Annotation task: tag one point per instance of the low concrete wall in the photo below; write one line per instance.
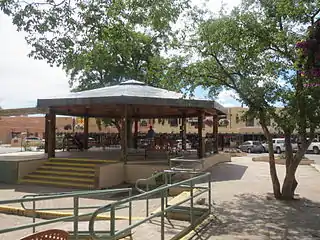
(8, 172)
(110, 175)
(133, 172)
(215, 159)
(206, 164)
(28, 166)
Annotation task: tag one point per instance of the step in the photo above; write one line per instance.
(86, 160)
(66, 173)
(70, 164)
(79, 169)
(63, 184)
(58, 178)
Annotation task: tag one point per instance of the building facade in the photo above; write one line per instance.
(234, 128)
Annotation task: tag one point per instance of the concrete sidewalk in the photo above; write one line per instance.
(240, 191)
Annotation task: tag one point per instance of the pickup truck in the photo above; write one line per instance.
(278, 145)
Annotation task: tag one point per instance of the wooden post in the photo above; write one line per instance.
(201, 140)
(215, 133)
(52, 134)
(46, 133)
(85, 132)
(136, 129)
(183, 131)
(125, 147)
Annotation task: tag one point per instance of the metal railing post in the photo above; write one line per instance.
(191, 202)
(130, 208)
(209, 193)
(162, 215)
(112, 221)
(167, 191)
(76, 216)
(33, 215)
(147, 202)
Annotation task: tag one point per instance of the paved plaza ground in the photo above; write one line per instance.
(239, 192)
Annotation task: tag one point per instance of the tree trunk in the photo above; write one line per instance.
(290, 183)
(273, 172)
(272, 163)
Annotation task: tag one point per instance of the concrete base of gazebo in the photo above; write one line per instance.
(92, 169)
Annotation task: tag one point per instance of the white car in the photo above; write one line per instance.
(33, 141)
(279, 145)
(179, 144)
(314, 146)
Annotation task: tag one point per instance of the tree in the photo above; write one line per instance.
(252, 52)
(101, 43)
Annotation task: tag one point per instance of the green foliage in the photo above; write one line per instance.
(101, 43)
(252, 52)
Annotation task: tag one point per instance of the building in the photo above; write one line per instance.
(232, 127)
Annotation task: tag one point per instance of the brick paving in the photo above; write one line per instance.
(239, 191)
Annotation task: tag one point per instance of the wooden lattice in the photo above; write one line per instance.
(53, 234)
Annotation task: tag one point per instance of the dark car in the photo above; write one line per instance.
(252, 147)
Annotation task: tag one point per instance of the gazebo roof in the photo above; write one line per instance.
(143, 101)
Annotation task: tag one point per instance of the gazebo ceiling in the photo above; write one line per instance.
(140, 100)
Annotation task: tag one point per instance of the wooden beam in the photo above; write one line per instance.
(46, 133)
(183, 131)
(85, 132)
(201, 140)
(52, 134)
(125, 147)
(215, 127)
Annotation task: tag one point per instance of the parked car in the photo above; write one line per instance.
(252, 147)
(179, 144)
(279, 145)
(91, 142)
(32, 141)
(143, 143)
(314, 146)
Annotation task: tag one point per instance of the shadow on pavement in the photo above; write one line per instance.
(256, 217)
(225, 172)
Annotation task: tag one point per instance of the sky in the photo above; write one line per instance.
(23, 80)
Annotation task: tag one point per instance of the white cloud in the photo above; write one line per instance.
(227, 99)
(22, 79)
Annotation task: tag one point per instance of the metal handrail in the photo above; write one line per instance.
(164, 208)
(147, 179)
(49, 196)
(67, 194)
(112, 207)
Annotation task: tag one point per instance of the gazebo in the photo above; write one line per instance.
(129, 100)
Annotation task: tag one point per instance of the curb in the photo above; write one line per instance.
(316, 167)
(47, 215)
